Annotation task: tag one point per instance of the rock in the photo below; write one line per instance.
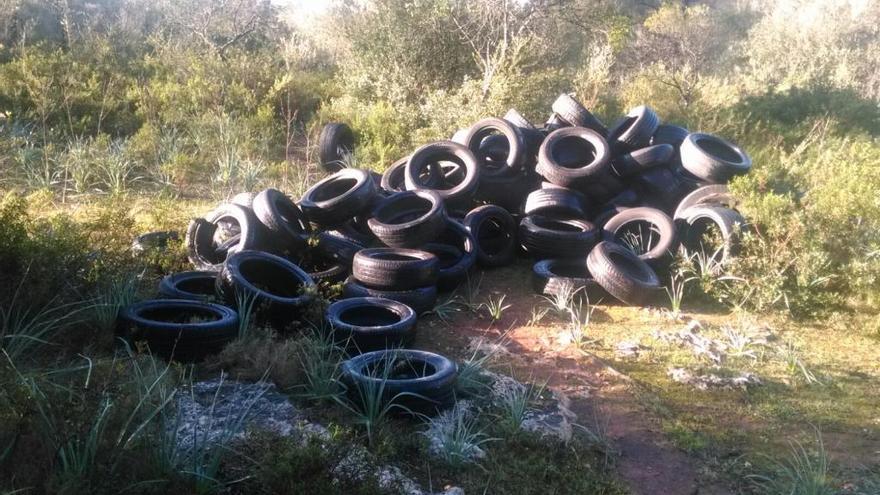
(553, 421)
(711, 380)
(700, 345)
(550, 419)
(629, 349)
(216, 412)
(359, 465)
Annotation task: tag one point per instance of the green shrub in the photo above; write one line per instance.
(816, 226)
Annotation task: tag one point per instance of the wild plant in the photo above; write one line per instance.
(803, 473)
(495, 307)
(515, 404)
(456, 437)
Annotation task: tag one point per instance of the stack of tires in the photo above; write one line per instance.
(599, 210)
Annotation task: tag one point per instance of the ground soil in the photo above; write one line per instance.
(601, 396)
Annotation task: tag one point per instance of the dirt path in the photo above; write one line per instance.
(600, 395)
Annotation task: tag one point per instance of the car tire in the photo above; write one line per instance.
(622, 274)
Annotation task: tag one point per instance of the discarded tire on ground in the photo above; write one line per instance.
(566, 278)
(275, 285)
(395, 268)
(416, 381)
(494, 232)
(193, 286)
(239, 222)
(649, 232)
(339, 197)
(408, 219)
(544, 237)
(182, 330)
(371, 323)
(698, 220)
(152, 241)
(713, 159)
(622, 274)
(282, 218)
(572, 155)
(335, 145)
(420, 299)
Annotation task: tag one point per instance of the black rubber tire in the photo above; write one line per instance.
(408, 219)
(394, 177)
(554, 122)
(432, 389)
(557, 202)
(168, 327)
(713, 159)
(245, 199)
(566, 166)
(662, 253)
(669, 134)
(506, 191)
(715, 194)
(201, 249)
(335, 247)
(622, 274)
(607, 213)
(494, 231)
(453, 270)
(339, 197)
(544, 237)
(365, 324)
(282, 218)
(279, 287)
(395, 268)
(330, 273)
(428, 156)
(514, 140)
(628, 197)
(153, 241)
(336, 140)
(729, 222)
(575, 114)
(514, 117)
(192, 286)
(421, 299)
(635, 130)
(642, 159)
(551, 276)
(662, 186)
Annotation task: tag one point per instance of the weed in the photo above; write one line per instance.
(23, 327)
(472, 380)
(579, 322)
(537, 315)
(515, 404)
(446, 309)
(371, 405)
(495, 307)
(562, 300)
(456, 437)
(321, 361)
(739, 344)
(110, 302)
(803, 473)
(202, 462)
(796, 367)
(471, 293)
(245, 302)
(677, 284)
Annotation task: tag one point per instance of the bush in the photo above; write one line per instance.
(816, 226)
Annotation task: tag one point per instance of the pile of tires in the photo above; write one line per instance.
(599, 210)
